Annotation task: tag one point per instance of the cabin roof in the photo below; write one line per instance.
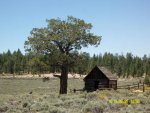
(106, 72)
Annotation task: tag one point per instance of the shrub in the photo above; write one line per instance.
(147, 93)
(147, 80)
(92, 96)
(3, 109)
(68, 103)
(54, 109)
(93, 107)
(80, 101)
(39, 106)
(59, 103)
(25, 105)
(46, 79)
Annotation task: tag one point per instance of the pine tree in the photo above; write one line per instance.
(18, 57)
(8, 62)
(147, 80)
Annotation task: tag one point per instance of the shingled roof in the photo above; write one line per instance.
(106, 72)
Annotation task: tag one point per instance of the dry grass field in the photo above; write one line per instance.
(32, 95)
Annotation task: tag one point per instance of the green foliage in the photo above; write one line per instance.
(93, 107)
(78, 67)
(125, 65)
(61, 39)
(36, 64)
(39, 106)
(92, 96)
(147, 80)
(18, 64)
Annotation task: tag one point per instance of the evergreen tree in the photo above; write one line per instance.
(18, 57)
(147, 80)
(121, 65)
(8, 62)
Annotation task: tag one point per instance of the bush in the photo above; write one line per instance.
(93, 107)
(58, 103)
(25, 105)
(54, 109)
(147, 80)
(46, 79)
(39, 106)
(92, 96)
(3, 109)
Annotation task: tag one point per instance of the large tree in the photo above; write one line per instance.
(61, 40)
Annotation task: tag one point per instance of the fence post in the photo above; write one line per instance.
(143, 87)
(138, 85)
(74, 90)
(128, 87)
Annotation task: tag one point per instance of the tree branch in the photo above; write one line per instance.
(58, 76)
(59, 45)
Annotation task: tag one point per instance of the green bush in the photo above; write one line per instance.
(92, 96)
(147, 80)
(39, 106)
(58, 103)
(93, 107)
(54, 109)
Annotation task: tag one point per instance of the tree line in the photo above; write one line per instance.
(122, 65)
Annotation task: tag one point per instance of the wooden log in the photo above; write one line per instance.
(105, 88)
(58, 76)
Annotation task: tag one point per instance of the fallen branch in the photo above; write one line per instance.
(56, 75)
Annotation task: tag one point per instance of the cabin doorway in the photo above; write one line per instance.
(96, 83)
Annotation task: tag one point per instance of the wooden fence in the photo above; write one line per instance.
(138, 86)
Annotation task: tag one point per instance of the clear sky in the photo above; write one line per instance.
(123, 24)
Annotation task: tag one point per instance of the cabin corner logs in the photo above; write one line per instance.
(100, 78)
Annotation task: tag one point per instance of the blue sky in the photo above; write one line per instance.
(123, 24)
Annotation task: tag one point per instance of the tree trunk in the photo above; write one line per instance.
(63, 80)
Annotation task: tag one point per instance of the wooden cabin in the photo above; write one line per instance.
(100, 77)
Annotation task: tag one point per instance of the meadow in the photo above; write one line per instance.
(32, 95)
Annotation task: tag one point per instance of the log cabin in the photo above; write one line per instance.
(100, 78)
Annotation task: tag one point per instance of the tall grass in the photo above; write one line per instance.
(36, 96)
